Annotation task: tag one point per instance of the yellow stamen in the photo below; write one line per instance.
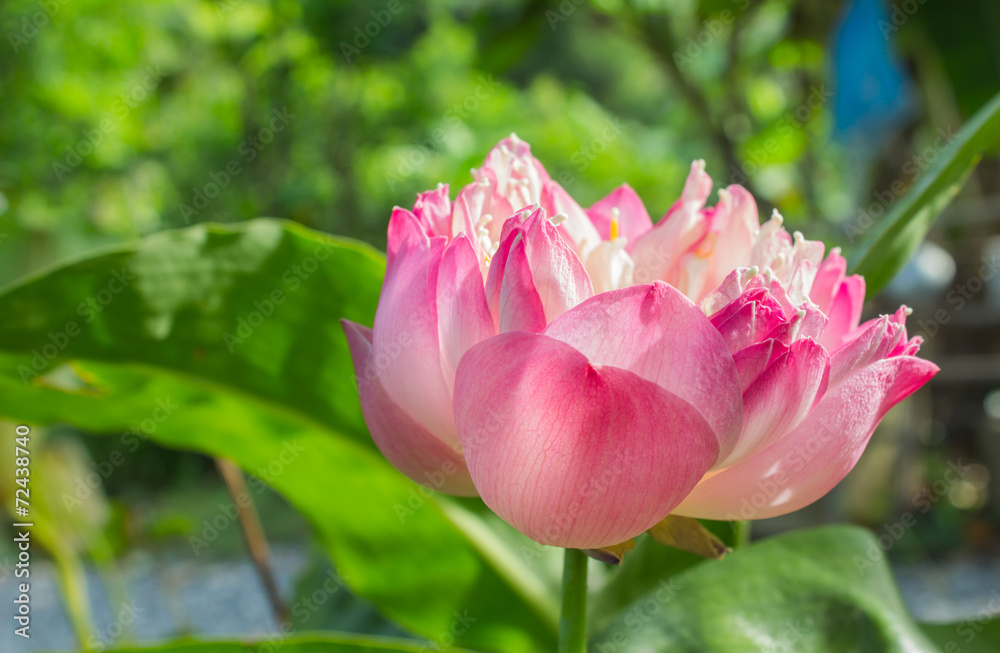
(614, 224)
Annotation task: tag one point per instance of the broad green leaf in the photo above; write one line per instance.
(642, 570)
(819, 590)
(895, 237)
(173, 339)
(980, 633)
(307, 643)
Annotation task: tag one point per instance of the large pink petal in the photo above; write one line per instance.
(781, 396)
(406, 444)
(633, 219)
(570, 453)
(406, 341)
(656, 332)
(464, 319)
(810, 460)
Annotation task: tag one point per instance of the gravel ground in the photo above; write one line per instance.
(167, 598)
(174, 597)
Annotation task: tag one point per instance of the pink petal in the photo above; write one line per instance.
(807, 322)
(781, 396)
(570, 453)
(732, 287)
(480, 206)
(828, 278)
(809, 461)
(509, 162)
(534, 269)
(519, 306)
(509, 180)
(577, 230)
(753, 360)
(697, 186)
(657, 252)
(633, 219)
(875, 340)
(656, 332)
(464, 319)
(433, 210)
(749, 319)
(406, 444)
(406, 341)
(405, 234)
(559, 275)
(732, 232)
(844, 312)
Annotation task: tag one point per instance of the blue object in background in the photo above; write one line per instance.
(873, 92)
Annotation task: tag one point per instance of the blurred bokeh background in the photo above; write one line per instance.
(119, 119)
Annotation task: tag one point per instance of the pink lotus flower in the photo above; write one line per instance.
(588, 373)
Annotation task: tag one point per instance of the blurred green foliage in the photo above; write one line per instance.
(120, 119)
(125, 118)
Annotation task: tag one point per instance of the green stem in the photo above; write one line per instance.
(741, 536)
(573, 621)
